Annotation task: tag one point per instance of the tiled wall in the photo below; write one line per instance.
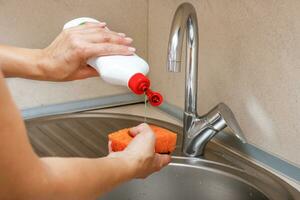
(35, 23)
(249, 58)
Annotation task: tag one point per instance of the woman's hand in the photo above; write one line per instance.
(65, 58)
(66, 178)
(140, 153)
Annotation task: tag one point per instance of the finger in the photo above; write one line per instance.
(108, 38)
(144, 143)
(162, 160)
(87, 72)
(122, 34)
(94, 23)
(103, 24)
(86, 26)
(105, 49)
(109, 147)
(115, 33)
(91, 25)
(144, 138)
(83, 73)
(90, 30)
(138, 129)
(99, 30)
(145, 132)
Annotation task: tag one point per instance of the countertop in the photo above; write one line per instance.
(139, 110)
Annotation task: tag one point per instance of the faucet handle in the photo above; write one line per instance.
(220, 117)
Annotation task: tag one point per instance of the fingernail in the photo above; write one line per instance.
(132, 49)
(102, 23)
(128, 39)
(122, 34)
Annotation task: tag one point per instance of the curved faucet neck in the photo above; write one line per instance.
(197, 131)
(185, 20)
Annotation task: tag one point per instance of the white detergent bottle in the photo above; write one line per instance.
(128, 71)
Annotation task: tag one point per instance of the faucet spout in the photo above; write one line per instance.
(185, 21)
(197, 131)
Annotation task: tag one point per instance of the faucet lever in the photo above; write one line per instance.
(221, 117)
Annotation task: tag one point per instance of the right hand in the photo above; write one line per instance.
(65, 58)
(140, 153)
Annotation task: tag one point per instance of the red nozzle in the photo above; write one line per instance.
(139, 84)
(155, 98)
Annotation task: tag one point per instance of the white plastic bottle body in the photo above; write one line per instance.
(115, 69)
(119, 69)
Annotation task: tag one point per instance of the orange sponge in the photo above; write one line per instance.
(165, 139)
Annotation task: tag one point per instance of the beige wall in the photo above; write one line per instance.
(35, 23)
(249, 58)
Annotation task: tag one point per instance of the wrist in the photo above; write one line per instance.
(50, 66)
(39, 63)
(127, 164)
(44, 65)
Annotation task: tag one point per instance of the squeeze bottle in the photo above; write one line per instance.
(128, 71)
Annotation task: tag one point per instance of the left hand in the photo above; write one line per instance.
(140, 153)
(65, 58)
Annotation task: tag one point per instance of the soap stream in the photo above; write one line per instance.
(145, 109)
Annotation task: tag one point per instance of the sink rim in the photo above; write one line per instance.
(225, 170)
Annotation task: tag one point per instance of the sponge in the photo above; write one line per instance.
(165, 139)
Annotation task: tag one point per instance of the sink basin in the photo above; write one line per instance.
(219, 175)
(191, 179)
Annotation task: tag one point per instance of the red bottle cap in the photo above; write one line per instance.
(155, 98)
(139, 84)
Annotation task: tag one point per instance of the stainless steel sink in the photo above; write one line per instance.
(219, 175)
(192, 179)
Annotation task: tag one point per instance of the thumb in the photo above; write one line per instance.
(83, 73)
(162, 160)
(144, 138)
(109, 147)
(139, 129)
(86, 72)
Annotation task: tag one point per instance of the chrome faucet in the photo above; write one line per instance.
(197, 130)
